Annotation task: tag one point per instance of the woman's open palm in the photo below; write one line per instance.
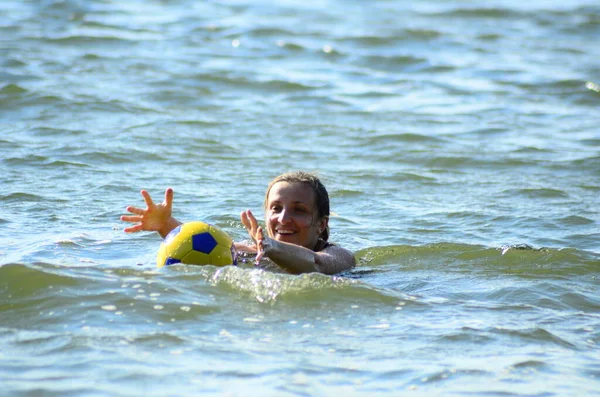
(154, 217)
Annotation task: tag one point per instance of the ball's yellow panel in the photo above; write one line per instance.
(221, 237)
(198, 258)
(222, 255)
(161, 256)
(190, 228)
(180, 245)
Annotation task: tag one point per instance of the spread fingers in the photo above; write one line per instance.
(147, 198)
(130, 218)
(135, 210)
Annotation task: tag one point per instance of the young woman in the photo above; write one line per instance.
(296, 220)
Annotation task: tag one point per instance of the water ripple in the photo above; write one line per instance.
(459, 142)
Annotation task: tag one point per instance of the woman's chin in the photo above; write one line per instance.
(287, 238)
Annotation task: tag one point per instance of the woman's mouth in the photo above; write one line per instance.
(285, 232)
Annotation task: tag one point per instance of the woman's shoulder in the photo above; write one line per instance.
(333, 258)
(322, 244)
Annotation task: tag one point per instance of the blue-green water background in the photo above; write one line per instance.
(460, 144)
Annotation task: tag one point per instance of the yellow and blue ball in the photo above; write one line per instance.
(197, 243)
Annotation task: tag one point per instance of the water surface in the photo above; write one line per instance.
(459, 143)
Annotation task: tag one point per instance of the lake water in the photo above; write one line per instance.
(460, 144)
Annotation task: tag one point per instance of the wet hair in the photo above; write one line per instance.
(320, 193)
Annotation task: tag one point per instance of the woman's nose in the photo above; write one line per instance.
(284, 216)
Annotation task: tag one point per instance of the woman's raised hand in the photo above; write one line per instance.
(260, 245)
(255, 232)
(251, 224)
(155, 217)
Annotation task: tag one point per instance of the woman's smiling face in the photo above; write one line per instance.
(291, 214)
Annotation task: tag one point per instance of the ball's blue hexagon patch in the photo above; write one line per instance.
(172, 261)
(204, 242)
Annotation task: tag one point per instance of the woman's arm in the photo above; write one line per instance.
(243, 247)
(297, 259)
(155, 217)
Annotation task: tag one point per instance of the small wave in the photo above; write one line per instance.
(267, 287)
(347, 193)
(485, 132)
(305, 289)
(43, 343)
(403, 137)
(62, 164)
(80, 39)
(519, 259)
(371, 41)
(48, 162)
(31, 159)
(278, 85)
(390, 63)
(466, 162)
(490, 37)
(263, 31)
(532, 150)
(38, 279)
(392, 177)
(199, 123)
(97, 25)
(68, 244)
(537, 193)
(422, 33)
(466, 334)
(291, 45)
(576, 220)
(478, 12)
(12, 63)
(409, 176)
(27, 284)
(104, 157)
(57, 132)
(268, 85)
(593, 142)
(536, 364)
(12, 89)
(20, 197)
(9, 145)
(544, 295)
(591, 163)
(539, 335)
